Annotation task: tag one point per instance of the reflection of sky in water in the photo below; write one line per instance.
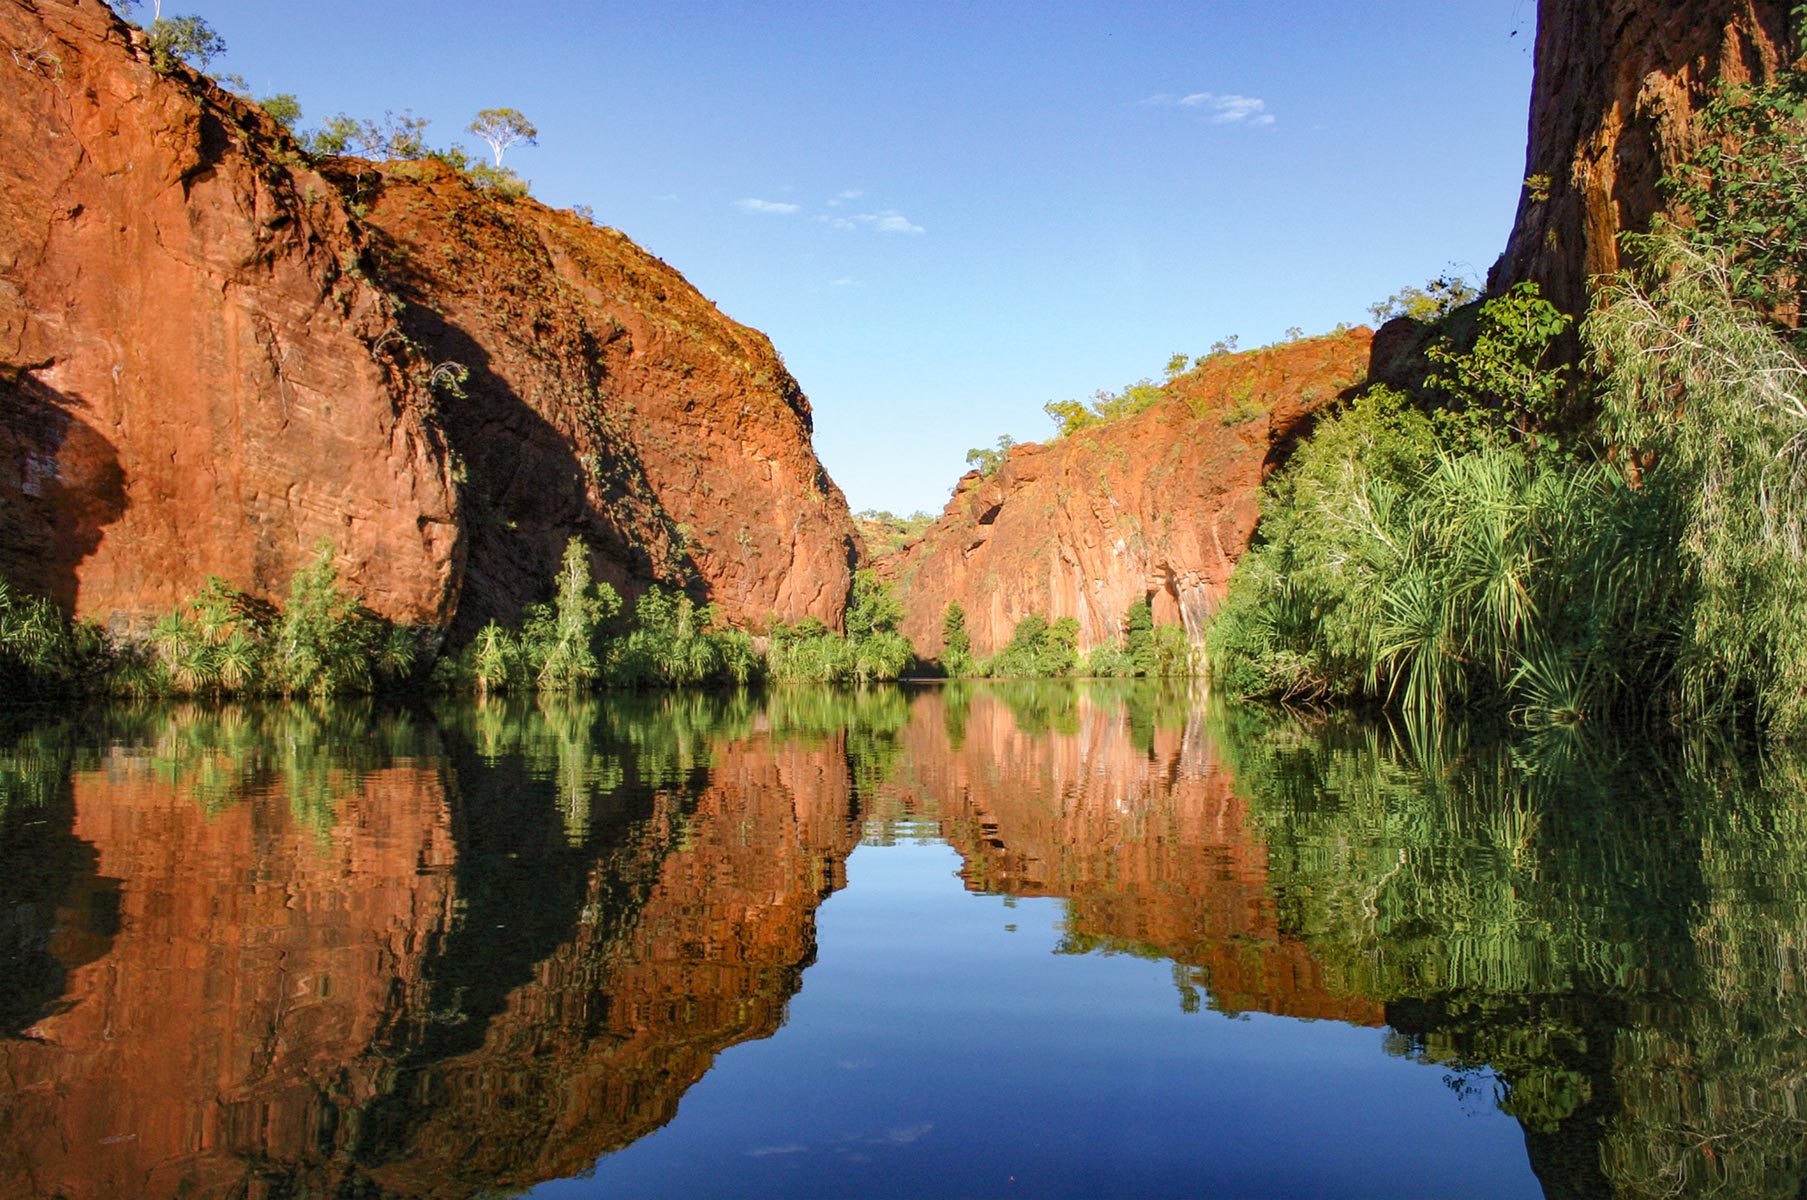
(988, 1064)
(1048, 940)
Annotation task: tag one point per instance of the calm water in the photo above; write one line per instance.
(1085, 941)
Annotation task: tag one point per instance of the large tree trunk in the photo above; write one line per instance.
(1613, 107)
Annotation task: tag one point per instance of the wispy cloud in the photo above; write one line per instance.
(775, 207)
(887, 221)
(1224, 109)
(842, 197)
(845, 281)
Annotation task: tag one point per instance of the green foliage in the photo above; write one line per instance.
(325, 641)
(283, 108)
(1071, 416)
(1146, 650)
(395, 137)
(988, 461)
(1405, 570)
(886, 532)
(499, 181)
(672, 642)
(503, 128)
(216, 643)
(956, 644)
(560, 642)
(190, 40)
(873, 648)
(336, 135)
(1435, 300)
(1714, 401)
(1510, 379)
(1745, 191)
(41, 653)
(873, 609)
(1038, 650)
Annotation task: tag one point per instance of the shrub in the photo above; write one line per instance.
(1038, 650)
(956, 644)
(325, 641)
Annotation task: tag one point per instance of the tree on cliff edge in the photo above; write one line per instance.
(502, 128)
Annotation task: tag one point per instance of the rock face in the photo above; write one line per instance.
(1618, 84)
(1156, 506)
(187, 383)
(605, 396)
(210, 361)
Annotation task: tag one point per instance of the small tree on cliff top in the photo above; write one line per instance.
(502, 128)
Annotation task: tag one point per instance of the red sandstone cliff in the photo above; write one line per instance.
(209, 361)
(606, 397)
(187, 383)
(1618, 84)
(1159, 505)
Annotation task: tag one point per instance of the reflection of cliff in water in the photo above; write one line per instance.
(430, 969)
(687, 931)
(328, 950)
(1114, 799)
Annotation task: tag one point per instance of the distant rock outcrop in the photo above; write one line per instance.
(214, 355)
(1618, 86)
(1157, 506)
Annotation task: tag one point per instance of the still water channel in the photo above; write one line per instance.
(1038, 941)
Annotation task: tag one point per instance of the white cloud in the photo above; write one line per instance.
(886, 221)
(776, 207)
(842, 197)
(845, 281)
(1228, 109)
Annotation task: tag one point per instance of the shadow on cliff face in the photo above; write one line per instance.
(61, 485)
(527, 490)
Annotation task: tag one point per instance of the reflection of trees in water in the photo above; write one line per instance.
(1611, 938)
(1616, 933)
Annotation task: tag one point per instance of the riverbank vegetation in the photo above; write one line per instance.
(1043, 649)
(323, 641)
(1623, 538)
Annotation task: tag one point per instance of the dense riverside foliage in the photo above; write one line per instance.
(1632, 543)
(323, 641)
(1040, 649)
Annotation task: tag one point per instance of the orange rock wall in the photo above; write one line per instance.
(1159, 505)
(186, 377)
(606, 397)
(213, 356)
(1617, 87)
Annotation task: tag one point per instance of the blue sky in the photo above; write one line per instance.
(948, 214)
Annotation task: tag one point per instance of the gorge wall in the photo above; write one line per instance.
(1157, 506)
(1617, 88)
(215, 354)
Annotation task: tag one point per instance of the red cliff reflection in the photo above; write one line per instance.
(1134, 824)
(246, 982)
(488, 954)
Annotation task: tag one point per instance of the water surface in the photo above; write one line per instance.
(1062, 940)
